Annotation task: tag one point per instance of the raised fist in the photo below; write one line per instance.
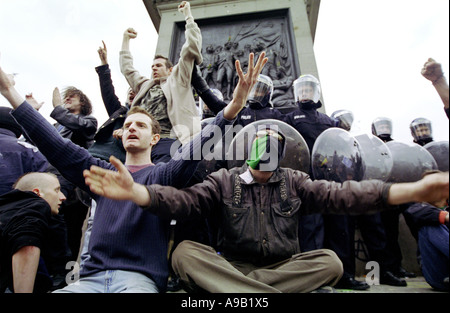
(130, 33)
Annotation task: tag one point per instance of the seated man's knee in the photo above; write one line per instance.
(183, 252)
(335, 266)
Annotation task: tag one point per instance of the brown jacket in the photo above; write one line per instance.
(258, 223)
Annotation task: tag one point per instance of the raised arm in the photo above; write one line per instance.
(185, 160)
(110, 100)
(67, 157)
(83, 125)
(133, 77)
(245, 85)
(191, 52)
(8, 91)
(433, 72)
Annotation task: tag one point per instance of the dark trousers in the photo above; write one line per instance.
(434, 249)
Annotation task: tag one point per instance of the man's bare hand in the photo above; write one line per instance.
(103, 54)
(185, 8)
(6, 81)
(34, 103)
(56, 98)
(432, 188)
(116, 185)
(245, 84)
(130, 33)
(432, 70)
(8, 91)
(118, 133)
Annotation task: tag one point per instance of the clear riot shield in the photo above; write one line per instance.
(377, 157)
(439, 150)
(410, 162)
(296, 155)
(336, 156)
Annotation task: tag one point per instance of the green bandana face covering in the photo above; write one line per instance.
(258, 149)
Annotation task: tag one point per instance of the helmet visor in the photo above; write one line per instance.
(306, 91)
(262, 91)
(382, 127)
(421, 131)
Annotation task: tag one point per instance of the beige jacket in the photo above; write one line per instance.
(181, 108)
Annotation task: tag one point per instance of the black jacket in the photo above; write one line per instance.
(24, 219)
(105, 144)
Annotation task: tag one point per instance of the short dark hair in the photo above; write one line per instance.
(168, 63)
(156, 128)
(86, 106)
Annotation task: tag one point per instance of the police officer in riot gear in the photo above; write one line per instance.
(345, 118)
(382, 128)
(421, 131)
(310, 123)
(259, 103)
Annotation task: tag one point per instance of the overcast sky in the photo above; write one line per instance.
(369, 53)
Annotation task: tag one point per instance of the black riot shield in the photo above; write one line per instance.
(377, 157)
(296, 154)
(410, 162)
(439, 150)
(337, 156)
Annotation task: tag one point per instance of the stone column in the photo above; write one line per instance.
(285, 29)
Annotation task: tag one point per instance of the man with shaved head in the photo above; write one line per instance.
(24, 217)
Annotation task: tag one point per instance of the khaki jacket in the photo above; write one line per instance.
(181, 107)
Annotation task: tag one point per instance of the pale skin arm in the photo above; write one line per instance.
(245, 85)
(130, 33)
(103, 54)
(24, 267)
(185, 8)
(8, 91)
(433, 72)
(34, 103)
(56, 98)
(432, 188)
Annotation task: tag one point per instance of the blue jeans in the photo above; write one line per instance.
(434, 249)
(112, 281)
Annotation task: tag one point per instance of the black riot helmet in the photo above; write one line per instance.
(345, 118)
(261, 94)
(421, 131)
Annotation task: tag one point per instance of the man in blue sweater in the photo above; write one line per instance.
(128, 247)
